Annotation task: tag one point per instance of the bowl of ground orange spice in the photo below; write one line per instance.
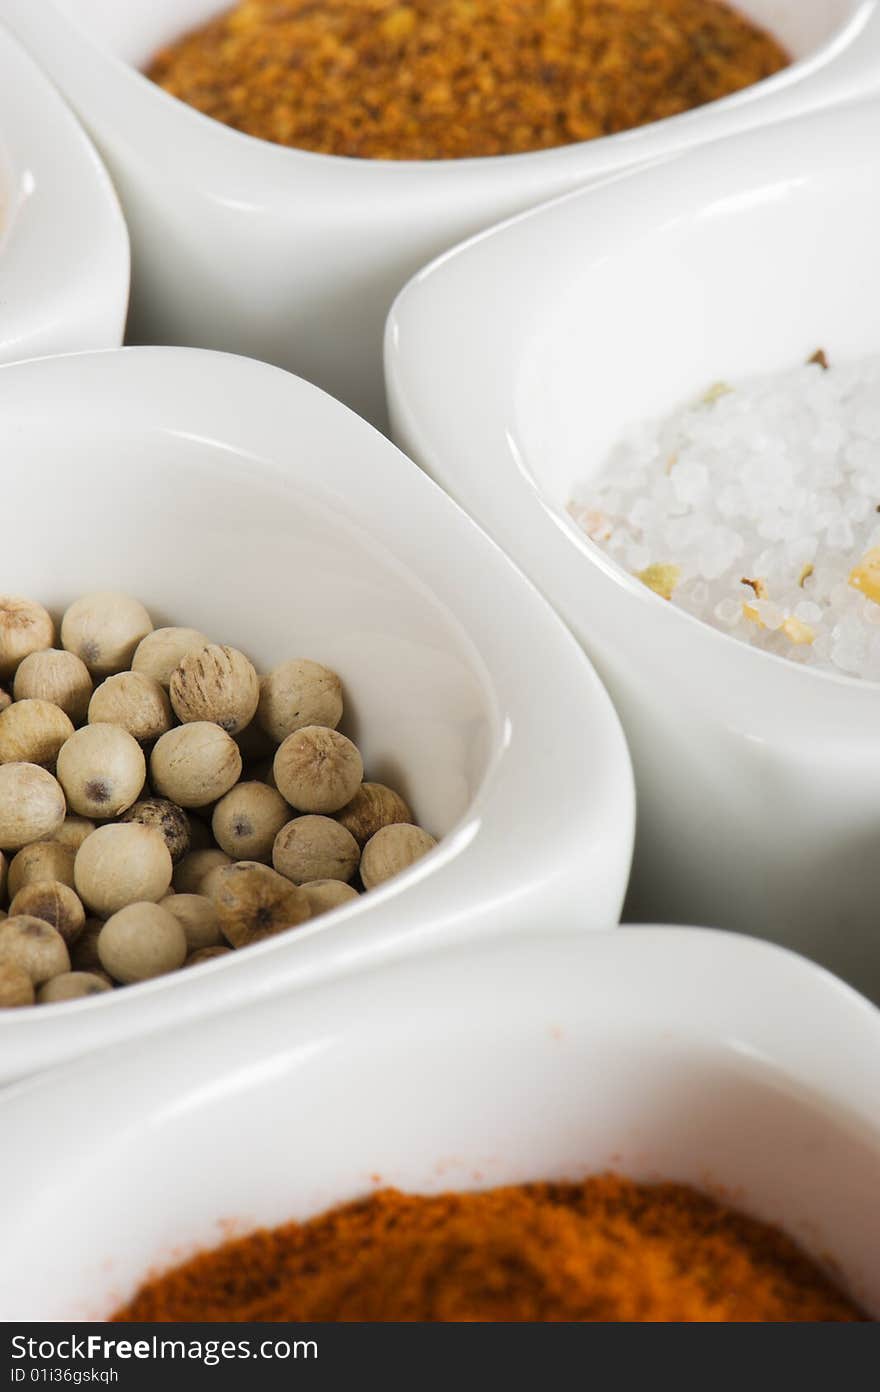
(286, 167)
(654, 1124)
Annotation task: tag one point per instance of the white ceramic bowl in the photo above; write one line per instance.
(295, 257)
(517, 361)
(230, 496)
(64, 263)
(673, 1054)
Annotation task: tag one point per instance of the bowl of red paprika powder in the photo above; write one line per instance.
(292, 252)
(742, 1076)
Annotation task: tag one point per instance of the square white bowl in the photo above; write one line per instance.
(295, 257)
(514, 364)
(64, 262)
(232, 497)
(692, 1056)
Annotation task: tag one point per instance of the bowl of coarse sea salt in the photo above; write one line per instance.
(665, 322)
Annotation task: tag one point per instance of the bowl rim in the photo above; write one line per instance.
(599, 204)
(632, 144)
(472, 862)
(55, 297)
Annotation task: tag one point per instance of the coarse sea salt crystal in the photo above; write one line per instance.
(763, 501)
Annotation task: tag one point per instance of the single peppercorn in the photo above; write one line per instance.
(392, 850)
(25, 627)
(315, 848)
(218, 684)
(121, 864)
(318, 770)
(57, 676)
(141, 941)
(168, 819)
(102, 770)
(247, 820)
(104, 629)
(32, 805)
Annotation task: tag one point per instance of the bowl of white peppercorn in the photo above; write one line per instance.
(602, 333)
(275, 708)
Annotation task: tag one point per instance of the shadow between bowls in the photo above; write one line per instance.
(515, 363)
(64, 258)
(295, 257)
(688, 1055)
(232, 497)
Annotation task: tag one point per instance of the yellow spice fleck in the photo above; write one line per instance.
(715, 392)
(662, 579)
(865, 577)
(751, 613)
(797, 631)
(805, 575)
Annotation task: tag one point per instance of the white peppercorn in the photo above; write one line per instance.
(73, 832)
(194, 869)
(372, 807)
(54, 903)
(255, 902)
(72, 985)
(16, 987)
(247, 820)
(299, 693)
(168, 819)
(4, 873)
(120, 864)
(34, 946)
(41, 860)
(32, 732)
(161, 651)
(318, 770)
(324, 895)
(218, 684)
(195, 764)
(198, 917)
(104, 629)
(57, 676)
(102, 770)
(25, 627)
(141, 941)
(315, 848)
(5, 699)
(391, 850)
(32, 805)
(135, 701)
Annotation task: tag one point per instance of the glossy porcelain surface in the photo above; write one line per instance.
(64, 264)
(294, 257)
(237, 499)
(660, 1053)
(517, 361)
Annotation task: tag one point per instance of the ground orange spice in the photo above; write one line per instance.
(445, 79)
(603, 1250)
